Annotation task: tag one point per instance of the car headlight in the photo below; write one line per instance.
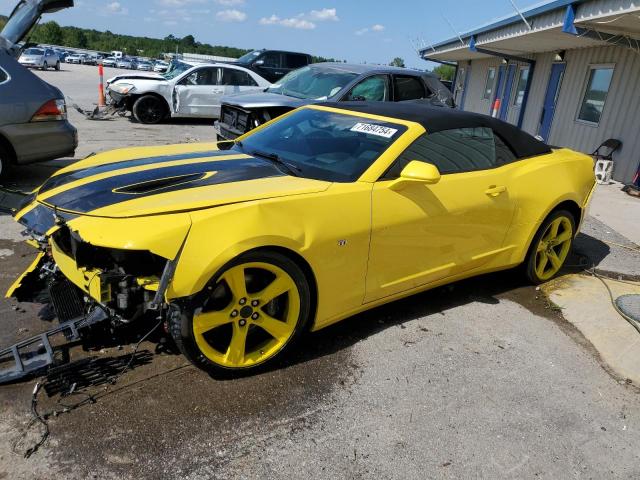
(122, 88)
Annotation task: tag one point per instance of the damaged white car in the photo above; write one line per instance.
(185, 90)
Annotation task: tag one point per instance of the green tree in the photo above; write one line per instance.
(50, 33)
(397, 62)
(74, 38)
(445, 72)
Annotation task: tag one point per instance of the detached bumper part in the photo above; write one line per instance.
(31, 356)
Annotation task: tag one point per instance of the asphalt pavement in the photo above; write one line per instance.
(480, 379)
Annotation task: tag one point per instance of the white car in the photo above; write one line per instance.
(40, 58)
(160, 66)
(185, 90)
(77, 58)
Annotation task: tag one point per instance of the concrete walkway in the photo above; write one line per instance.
(620, 211)
(586, 304)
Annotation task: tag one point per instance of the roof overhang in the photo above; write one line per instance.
(616, 22)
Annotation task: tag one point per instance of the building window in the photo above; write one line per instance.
(523, 78)
(488, 86)
(595, 94)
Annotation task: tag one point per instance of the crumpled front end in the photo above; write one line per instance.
(123, 266)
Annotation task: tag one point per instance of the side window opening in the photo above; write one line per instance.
(371, 89)
(239, 78)
(456, 151)
(408, 88)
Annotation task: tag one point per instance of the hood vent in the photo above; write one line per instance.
(160, 184)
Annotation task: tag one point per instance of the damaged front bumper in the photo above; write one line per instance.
(85, 282)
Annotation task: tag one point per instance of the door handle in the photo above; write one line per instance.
(495, 190)
(218, 90)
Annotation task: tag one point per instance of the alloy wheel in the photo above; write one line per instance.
(553, 248)
(250, 315)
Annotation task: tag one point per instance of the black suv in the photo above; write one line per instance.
(272, 65)
(333, 82)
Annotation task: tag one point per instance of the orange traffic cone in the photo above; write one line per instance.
(101, 99)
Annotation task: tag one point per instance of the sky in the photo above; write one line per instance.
(372, 31)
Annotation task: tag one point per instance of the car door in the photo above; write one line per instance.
(236, 81)
(269, 66)
(50, 57)
(198, 94)
(424, 233)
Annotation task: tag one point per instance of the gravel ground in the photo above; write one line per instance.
(481, 379)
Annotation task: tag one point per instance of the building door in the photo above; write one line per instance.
(499, 89)
(551, 99)
(506, 92)
(461, 85)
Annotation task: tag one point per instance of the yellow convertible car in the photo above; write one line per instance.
(239, 247)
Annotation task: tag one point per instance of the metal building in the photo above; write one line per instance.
(567, 70)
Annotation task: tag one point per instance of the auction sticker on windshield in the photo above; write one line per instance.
(374, 129)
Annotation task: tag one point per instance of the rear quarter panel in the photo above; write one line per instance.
(539, 185)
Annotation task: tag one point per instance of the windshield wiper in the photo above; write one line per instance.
(275, 159)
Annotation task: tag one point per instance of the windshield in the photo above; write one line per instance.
(23, 16)
(176, 68)
(324, 145)
(318, 83)
(249, 57)
(34, 51)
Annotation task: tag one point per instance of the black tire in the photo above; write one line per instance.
(149, 110)
(181, 325)
(532, 259)
(5, 161)
(57, 66)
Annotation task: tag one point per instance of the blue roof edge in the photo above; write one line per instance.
(548, 7)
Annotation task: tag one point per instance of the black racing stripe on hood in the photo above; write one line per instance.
(41, 218)
(65, 178)
(117, 189)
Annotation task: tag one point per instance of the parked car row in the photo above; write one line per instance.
(242, 99)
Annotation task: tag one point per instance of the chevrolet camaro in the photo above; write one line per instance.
(240, 247)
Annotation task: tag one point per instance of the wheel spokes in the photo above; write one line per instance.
(542, 263)
(277, 329)
(554, 259)
(276, 288)
(563, 237)
(203, 322)
(236, 281)
(236, 351)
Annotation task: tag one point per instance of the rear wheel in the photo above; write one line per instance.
(149, 109)
(4, 161)
(58, 66)
(252, 311)
(550, 247)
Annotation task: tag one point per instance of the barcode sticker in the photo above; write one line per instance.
(373, 129)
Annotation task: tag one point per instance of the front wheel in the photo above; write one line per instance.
(249, 314)
(149, 109)
(550, 247)
(57, 66)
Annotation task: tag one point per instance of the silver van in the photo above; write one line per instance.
(33, 114)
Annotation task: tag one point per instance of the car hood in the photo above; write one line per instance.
(265, 99)
(137, 76)
(162, 180)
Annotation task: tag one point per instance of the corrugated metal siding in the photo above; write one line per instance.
(474, 101)
(621, 116)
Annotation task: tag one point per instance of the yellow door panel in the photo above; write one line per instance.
(423, 233)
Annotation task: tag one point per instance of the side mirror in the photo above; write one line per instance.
(417, 172)
(258, 63)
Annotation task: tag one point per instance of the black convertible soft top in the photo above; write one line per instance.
(436, 118)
